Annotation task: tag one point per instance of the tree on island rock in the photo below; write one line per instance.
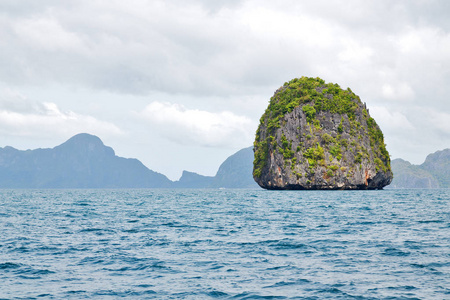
(315, 135)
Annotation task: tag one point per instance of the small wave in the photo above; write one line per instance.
(323, 226)
(124, 294)
(361, 223)
(9, 266)
(300, 281)
(430, 221)
(33, 271)
(334, 291)
(420, 266)
(75, 292)
(97, 231)
(91, 261)
(413, 245)
(45, 295)
(296, 226)
(217, 294)
(344, 231)
(289, 245)
(395, 252)
(247, 296)
(133, 230)
(402, 288)
(277, 268)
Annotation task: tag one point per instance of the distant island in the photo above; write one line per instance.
(81, 162)
(84, 161)
(433, 173)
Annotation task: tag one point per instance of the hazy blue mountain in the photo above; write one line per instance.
(408, 176)
(237, 171)
(234, 172)
(81, 162)
(194, 180)
(438, 165)
(433, 173)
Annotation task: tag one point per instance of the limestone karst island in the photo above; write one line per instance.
(315, 135)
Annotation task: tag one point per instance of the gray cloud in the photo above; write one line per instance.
(230, 56)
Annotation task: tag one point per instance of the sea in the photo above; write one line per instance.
(224, 244)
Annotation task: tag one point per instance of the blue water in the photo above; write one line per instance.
(225, 244)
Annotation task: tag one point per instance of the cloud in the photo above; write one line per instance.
(436, 122)
(398, 92)
(47, 34)
(228, 56)
(193, 126)
(390, 120)
(20, 116)
(203, 49)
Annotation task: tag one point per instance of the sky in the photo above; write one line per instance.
(181, 85)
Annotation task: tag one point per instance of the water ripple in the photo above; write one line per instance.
(224, 244)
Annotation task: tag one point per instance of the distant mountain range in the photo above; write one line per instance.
(81, 162)
(85, 162)
(235, 172)
(433, 173)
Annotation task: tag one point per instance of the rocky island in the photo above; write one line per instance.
(315, 135)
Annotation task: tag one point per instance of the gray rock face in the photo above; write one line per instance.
(324, 138)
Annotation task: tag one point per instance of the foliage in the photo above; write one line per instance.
(286, 148)
(261, 154)
(310, 113)
(358, 158)
(313, 155)
(341, 127)
(333, 167)
(335, 150)
(327, 139)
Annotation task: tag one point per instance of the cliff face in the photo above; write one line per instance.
(314, 135)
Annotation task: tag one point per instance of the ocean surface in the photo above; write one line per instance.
(224, 244)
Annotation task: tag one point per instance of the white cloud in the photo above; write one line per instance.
(20, 116)
(390, 120)
(193, 126)
(398, 92)
(440, 120)
(354, 52)
(47, 34)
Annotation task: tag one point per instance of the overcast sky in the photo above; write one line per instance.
(181, 85)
